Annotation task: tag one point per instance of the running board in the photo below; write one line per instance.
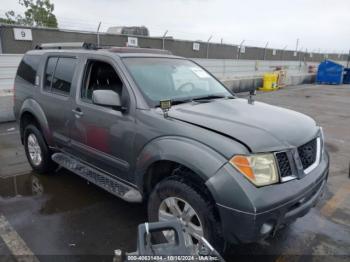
(100, 179)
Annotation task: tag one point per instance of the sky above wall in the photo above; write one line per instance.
(320, 25)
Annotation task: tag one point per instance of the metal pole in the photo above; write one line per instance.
(300, 58)
(296, 48)
(164, 35)
(305, 55)
(282, 55)
(239, 49)
(208, 46)
(1, 39)
(265, 50)
(297, 45)
(98, 34)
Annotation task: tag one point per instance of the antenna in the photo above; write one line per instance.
(252, 93)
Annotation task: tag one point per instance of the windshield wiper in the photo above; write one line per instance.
(197, 99)
(210, 97)
(178, 101)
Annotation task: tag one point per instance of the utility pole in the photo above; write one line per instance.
(164, 35)
(208, 46)
(98, 34)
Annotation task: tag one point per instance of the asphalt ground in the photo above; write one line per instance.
(62, 217)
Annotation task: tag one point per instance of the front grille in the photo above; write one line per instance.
(307, 153)
(283, 164)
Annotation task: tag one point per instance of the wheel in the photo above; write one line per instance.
(37, 151)
(172, 199)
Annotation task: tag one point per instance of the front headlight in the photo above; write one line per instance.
(260, 169)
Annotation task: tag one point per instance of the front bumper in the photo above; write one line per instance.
(249, 214)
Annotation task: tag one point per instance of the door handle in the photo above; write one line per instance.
(77, 112)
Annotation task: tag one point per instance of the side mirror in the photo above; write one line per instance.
(106, 98)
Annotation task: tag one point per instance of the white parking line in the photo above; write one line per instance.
(15, 243)
(9, 133)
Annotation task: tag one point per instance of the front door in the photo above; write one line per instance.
(102, 136)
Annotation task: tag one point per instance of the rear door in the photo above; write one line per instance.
(25, 80)
(57, 88)
(102, 136)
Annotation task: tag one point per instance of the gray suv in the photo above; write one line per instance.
(151, 127)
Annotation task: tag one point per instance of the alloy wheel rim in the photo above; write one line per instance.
(173, 208)
(34, 150)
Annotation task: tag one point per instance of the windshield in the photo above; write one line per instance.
(175, 79)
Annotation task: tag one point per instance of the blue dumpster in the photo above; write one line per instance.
(346, 79)
(330, 72)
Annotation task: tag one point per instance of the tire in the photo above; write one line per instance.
(177, 187)
(42, 164)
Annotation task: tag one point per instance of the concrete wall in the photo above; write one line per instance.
(179, 47)
(224, 69)
(230, 68)
(8, 68)
(239, 75)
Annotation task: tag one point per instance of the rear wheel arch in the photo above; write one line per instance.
(26, 119)
(32, 111)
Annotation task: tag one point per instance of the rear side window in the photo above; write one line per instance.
(28, 67)
(59, 74)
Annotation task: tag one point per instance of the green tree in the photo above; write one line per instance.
(38, 13)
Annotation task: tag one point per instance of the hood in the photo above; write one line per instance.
(259, 126)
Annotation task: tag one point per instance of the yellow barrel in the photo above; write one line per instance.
(269, 82)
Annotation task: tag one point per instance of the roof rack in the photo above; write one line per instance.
(139, 50)
(91, 46)
(66, 45)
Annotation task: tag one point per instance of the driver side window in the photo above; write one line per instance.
(99, 76)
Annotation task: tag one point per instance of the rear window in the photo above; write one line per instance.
(28, 67)
(59, 74)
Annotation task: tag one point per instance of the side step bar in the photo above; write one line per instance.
(100, 179)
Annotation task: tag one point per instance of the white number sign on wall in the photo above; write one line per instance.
(274, 52)
(133, 42)
(196, 46)
(24, 34)
(242, 49)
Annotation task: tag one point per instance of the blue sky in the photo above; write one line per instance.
(319, 24)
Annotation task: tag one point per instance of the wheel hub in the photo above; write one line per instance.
(34, 150)
(176, 208)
